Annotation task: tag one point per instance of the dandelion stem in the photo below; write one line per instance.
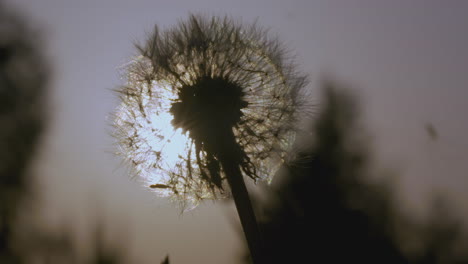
(244, 209)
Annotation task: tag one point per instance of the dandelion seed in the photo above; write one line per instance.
(162, 186)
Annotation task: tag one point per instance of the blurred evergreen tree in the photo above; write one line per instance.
(324, 207)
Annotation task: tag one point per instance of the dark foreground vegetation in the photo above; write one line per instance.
(327, 205)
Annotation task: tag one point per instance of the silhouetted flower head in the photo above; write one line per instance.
(205, 90)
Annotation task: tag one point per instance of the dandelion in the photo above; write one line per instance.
(205, 103)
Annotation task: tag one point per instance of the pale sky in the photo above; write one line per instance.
(408, 60)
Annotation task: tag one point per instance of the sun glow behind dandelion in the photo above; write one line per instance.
(171, 143)
(155, 150)
(153, 146)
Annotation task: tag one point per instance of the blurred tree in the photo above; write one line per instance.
(325, 207)
(23, 81)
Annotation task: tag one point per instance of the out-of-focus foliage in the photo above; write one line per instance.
(325, 207)
(23, 81)
(443, 237)
(166, 260)
(23, 90)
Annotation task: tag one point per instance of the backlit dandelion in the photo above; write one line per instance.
(205, 103)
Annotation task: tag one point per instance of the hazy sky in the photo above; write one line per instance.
(408, 60)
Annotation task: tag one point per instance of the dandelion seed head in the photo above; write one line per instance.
(195, 86)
